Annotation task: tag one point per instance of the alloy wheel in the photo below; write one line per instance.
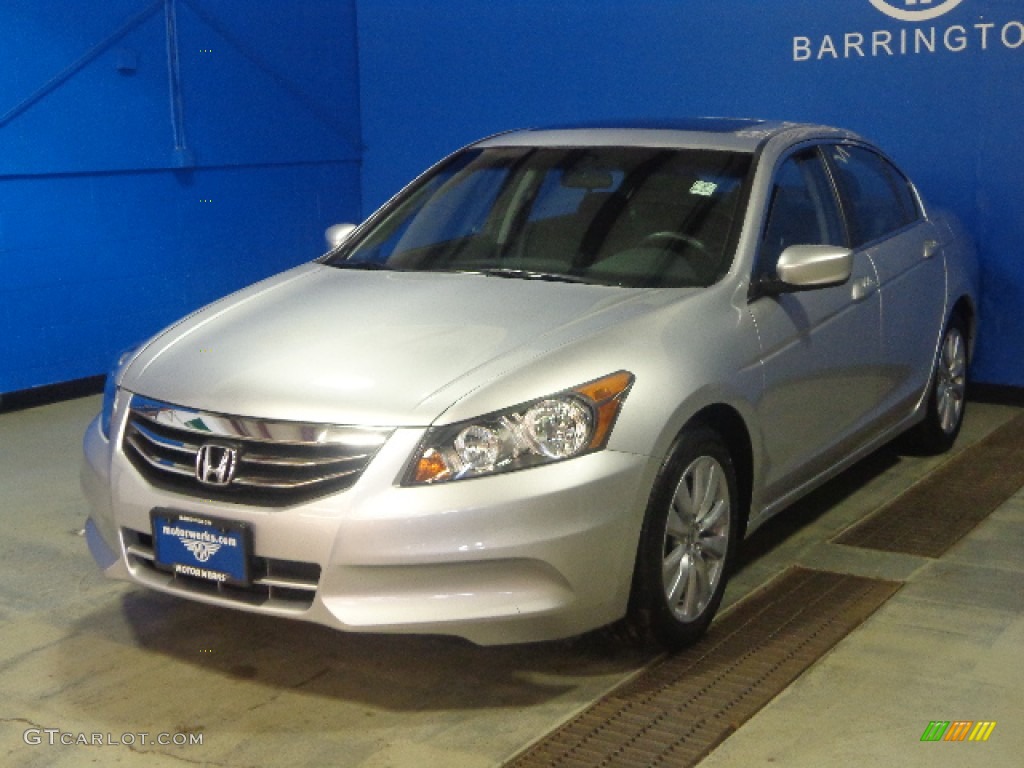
(952, 380)
(696, 538)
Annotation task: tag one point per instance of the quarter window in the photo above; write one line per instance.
(878, 198)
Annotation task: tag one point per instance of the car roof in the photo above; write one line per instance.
(735, 134)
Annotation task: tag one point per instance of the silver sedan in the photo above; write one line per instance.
(549, 386)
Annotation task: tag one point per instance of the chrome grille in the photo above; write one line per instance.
(274, 463)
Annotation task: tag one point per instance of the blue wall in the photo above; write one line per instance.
(433, 80)
(126, 200)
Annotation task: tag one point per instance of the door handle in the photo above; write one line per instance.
(862, 288)
(931, 247)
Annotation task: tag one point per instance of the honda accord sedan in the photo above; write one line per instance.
(549, 386)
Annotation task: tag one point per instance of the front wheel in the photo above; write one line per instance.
(688, 541)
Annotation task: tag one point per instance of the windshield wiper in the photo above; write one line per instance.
(369, 265)
(528, 274)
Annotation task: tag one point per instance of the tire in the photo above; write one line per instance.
(946, 396)
(687, 543)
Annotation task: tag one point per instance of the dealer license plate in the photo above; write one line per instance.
(202, 547)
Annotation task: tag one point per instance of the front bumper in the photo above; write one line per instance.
(533, 555)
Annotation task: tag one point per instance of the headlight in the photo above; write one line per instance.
(555, 428)
(110, 389)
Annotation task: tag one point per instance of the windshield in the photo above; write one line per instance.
(633, 216)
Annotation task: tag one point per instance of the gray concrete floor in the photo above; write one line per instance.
(948, 646)
(84, 658)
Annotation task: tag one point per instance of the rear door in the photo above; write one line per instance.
(886, 221)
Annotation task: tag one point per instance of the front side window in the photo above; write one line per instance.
(803, 209)
(632, 216)
(878, 199)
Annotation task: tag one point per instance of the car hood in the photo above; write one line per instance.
(366, 347)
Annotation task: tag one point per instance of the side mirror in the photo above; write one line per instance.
(338, 234)
(815, 266)
(807, 268)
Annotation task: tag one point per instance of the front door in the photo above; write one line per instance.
(821, 348)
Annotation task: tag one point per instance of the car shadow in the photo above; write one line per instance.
(391, 672)
(811, 507)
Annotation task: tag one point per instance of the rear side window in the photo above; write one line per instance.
(878, 198)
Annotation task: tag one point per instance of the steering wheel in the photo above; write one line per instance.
(675, 238)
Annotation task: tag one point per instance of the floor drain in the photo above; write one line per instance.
(934, 514)
(678, 710)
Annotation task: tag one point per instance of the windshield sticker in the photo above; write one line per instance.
(703, 188)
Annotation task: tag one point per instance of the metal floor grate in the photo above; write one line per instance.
(933, 515)
(675, 712)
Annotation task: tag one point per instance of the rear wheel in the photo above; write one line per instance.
(946, 397)
(688, 541)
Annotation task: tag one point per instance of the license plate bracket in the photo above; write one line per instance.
(203, 547)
